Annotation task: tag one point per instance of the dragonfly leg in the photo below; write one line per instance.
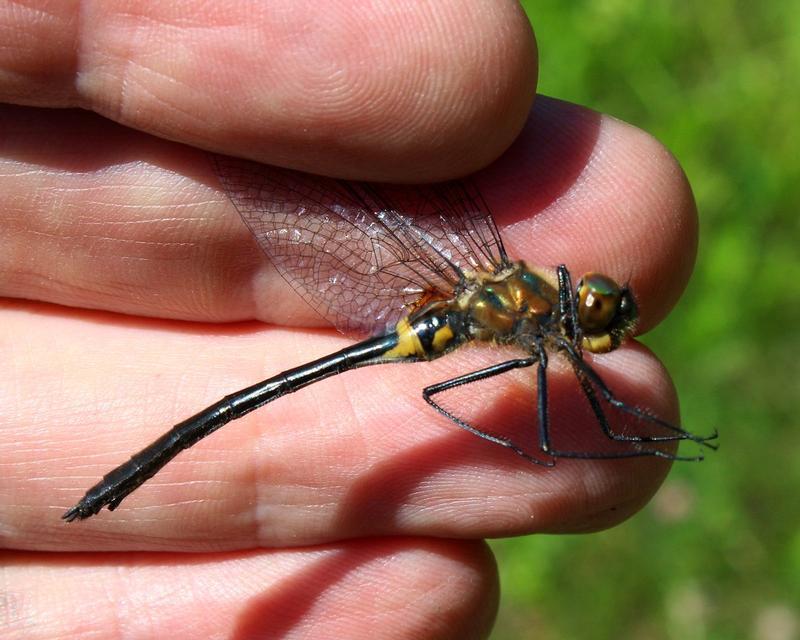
(544, 426)
(588, 377)
(567, 306)
(482, 374)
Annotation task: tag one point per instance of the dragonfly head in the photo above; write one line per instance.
(607, 312)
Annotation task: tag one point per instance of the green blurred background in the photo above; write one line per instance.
(717, 552)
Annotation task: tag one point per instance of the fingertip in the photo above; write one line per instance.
(665, 236)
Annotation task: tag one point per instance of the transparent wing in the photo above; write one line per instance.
(362, 254)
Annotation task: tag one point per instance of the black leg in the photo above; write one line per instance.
(591, 396)
(568, 307)
(482, 374)
(541, 400)
(588, 377)
(544, 423)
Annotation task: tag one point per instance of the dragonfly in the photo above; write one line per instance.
(423, 271)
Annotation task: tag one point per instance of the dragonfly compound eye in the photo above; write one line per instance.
(598, 301)
(606, 312)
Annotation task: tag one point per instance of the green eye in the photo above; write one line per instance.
(598, 302)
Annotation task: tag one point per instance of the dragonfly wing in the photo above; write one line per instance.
(454, 216)
(362, 255)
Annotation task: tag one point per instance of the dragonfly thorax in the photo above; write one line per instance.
(499, 308)
(504, 306)
(518, 306)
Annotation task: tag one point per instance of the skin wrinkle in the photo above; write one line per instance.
(19, 60)
(127, 109)
(347, 394)
(187, 113)
(117, 602)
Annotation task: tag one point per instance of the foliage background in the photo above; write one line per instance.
(717, 553)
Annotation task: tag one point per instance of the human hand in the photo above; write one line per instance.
(380, 499)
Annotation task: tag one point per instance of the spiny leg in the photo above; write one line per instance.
(587, 375)
(544, 424)
(588, 391)
(542, 411)
(597, 409)
(475, 376)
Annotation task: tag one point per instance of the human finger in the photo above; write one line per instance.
(345, 590)
(369, 89)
